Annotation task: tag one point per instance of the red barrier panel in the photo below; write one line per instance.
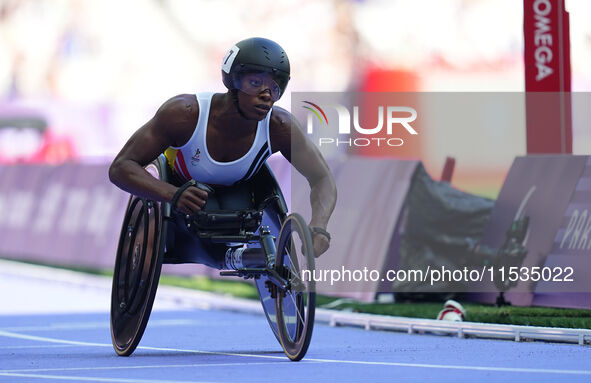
(547, 69)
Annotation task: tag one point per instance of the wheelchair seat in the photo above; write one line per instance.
(231, 214)
(237, 224)
(228, 225)
(232, 210)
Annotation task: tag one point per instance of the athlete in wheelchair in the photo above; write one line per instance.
(201, 192)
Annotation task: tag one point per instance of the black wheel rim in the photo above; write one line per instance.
(137, 270)
(295, 309)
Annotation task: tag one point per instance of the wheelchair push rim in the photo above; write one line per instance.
(137, 271)
(295, 308)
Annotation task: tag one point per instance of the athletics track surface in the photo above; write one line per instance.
(52, 332)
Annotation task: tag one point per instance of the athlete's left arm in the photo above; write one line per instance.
(288, 138)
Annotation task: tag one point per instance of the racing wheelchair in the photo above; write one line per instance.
(246, 217)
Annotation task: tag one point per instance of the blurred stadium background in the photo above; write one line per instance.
(95, 71)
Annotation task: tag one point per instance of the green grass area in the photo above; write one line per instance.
(233, 288)
(532, 316)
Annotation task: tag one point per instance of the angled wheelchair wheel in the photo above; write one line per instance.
(295, 309)
(272, 218)
(137, 272)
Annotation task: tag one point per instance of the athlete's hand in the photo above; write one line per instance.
(191, 200)
(321, 244)
(320, 239)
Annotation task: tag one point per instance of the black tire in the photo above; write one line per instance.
(137, 271)
(295, 309)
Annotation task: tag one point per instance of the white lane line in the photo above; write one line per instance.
(287, 362)
(59, 326)
(93, 379)
(50, 340)
(103, 324)
(36, 346)
(456, 367)
(356, 362)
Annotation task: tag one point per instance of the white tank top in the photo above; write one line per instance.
(192, 160)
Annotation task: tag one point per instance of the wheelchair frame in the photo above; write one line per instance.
(153, 234)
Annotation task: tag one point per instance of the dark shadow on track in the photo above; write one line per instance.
(143, 353)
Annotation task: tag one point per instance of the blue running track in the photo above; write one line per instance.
(193, 345)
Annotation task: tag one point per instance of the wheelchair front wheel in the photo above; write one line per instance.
(137, 272)
(295, 308)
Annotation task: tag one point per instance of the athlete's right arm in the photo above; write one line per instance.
(172, 125)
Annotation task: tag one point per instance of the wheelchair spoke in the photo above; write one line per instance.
(297, 307)
(293, 269)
